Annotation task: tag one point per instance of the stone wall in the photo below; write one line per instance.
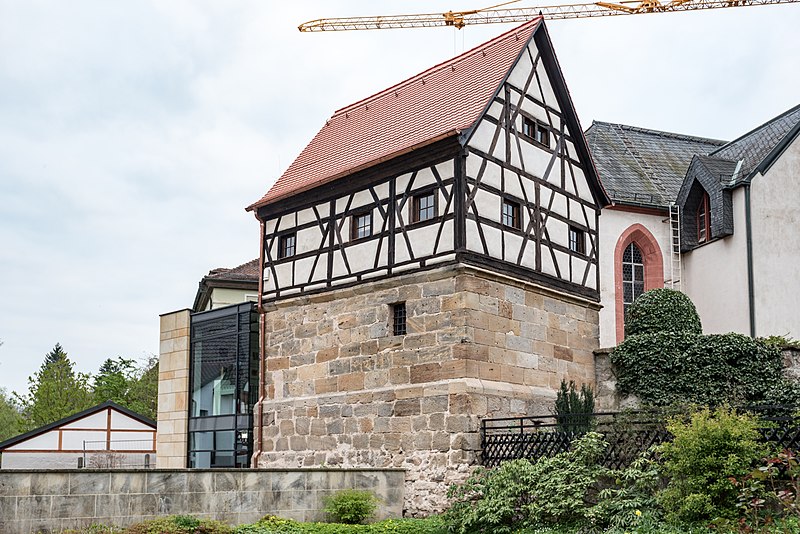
(342, 390)
(173, 390)
(47, 501)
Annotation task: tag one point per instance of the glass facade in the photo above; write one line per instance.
(223, 386)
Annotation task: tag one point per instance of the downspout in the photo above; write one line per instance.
(751, 299)
(262, 351)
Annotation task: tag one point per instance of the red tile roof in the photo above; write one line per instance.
(437, 103)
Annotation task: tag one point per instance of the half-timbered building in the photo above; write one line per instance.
(431, 257)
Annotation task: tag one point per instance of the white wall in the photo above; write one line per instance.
(775, 201)
(69, 460)
(221, 297)
(715, 278)
(613, 223)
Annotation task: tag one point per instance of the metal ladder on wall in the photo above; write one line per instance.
(675, 245)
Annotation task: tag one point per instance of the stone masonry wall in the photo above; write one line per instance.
(342, 390)
(173, 390)
(49, 501)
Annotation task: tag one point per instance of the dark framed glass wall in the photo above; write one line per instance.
(223, 385)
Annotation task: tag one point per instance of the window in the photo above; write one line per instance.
(536, 131)
(632, 275)
(423, 207)
(577, 240)
(361, 225)
(703, 220)
(286, 245)
(399, 319)
(511, 214)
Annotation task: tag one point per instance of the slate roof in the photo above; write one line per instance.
(437, 103)
(756, 146)
(641, 166)
(74, 417)
(721, 168)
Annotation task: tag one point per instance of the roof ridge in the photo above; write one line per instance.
(663, 133)
(447, 63)
(758, 128)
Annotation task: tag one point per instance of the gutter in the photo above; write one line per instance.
(262, 350)
(751, 300)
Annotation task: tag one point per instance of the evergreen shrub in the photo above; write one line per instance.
(702, 462)
(351, 506)
(662, 310)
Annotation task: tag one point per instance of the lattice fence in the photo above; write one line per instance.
(628, 434)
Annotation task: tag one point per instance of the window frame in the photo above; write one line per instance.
(535, 131)
(399, 319)
(415, 206)
(633, 281)
(355, 228)
(579, 241)
(284, 248)
(703, 219)
(516, 213)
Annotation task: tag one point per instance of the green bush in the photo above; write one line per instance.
(179, 524)
(523, 494)
(351, 506)
(707, 453)
(678, 368)
(573, 408)
(662, 310)
(277, 525)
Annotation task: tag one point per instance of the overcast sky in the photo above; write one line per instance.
(134, 133)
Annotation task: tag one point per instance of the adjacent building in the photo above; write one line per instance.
(716, 220)
(106, 436)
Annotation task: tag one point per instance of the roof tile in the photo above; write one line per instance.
(434, 104)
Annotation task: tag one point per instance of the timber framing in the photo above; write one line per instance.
(551, 179)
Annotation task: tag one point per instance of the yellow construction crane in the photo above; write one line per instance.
(493, 15)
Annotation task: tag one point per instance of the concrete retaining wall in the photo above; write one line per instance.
(46, 501)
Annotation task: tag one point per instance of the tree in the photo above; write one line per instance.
(143, 395)
(55, 355)
(9, 416)
(135, 387)
(54, 392)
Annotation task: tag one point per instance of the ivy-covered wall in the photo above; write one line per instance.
(608, 398)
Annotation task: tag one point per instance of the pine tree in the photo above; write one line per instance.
(55, 391)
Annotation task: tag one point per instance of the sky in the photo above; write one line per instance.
(133, 134)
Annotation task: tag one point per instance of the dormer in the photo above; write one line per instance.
(706, 202)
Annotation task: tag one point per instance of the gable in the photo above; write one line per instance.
(438, 103)
(92, 424)
(706, 175)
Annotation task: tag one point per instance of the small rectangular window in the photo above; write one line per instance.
(423, 207)
(399, 319)
(511, 214)
(536, 131)
(286, 245)
(361, 225)
(577, 240)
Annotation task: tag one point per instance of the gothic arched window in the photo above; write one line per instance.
(632, 274)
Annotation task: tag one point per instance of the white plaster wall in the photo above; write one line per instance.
(613, 223)
(66, 460)
(715, 278)
(775, 201)
(221, 297)
(95, 420)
